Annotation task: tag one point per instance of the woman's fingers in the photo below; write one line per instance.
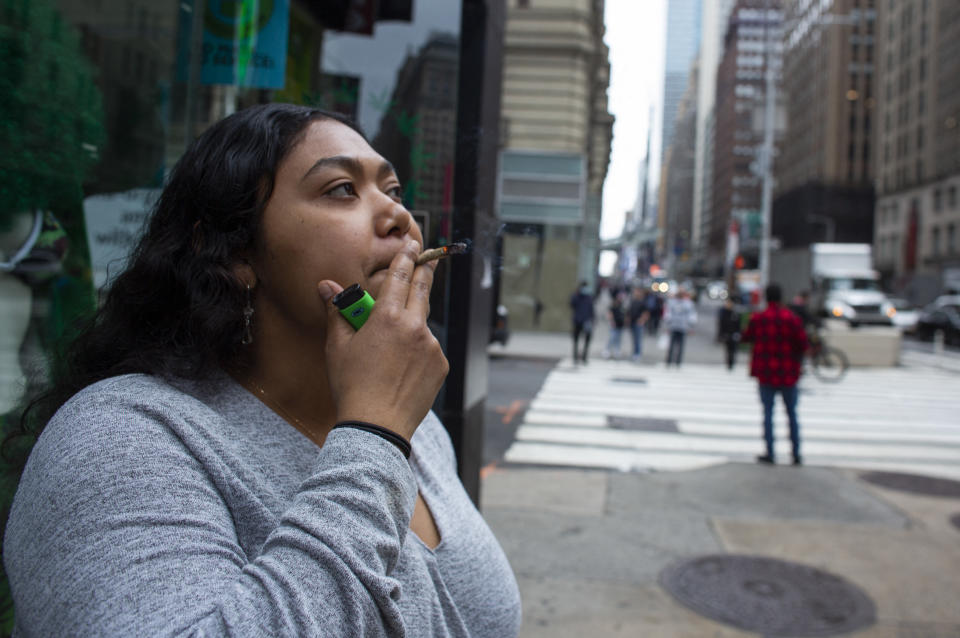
(418, 298)
(396, 289)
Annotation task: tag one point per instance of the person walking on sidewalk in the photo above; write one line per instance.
(581, 303)
(617, 316)
(654, 304)
(638, 316)
(728, 330)
(779, 342)
(679, 317)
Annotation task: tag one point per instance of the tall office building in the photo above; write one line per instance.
(682, 45)
(680, 54)
(917, 146)
(824, 170)
(752, 39)
(715, 14)
(676, 187)
(555, 151)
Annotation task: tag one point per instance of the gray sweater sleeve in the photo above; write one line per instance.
(115, 501)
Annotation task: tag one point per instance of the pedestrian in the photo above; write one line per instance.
(728, 330)
(779, 343)
(617, 319)
(679, 317)
(654, 304)
(800, 306)
(637, 317)
(226, 454)
(581, 304)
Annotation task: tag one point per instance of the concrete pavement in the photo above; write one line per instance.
(589, 547)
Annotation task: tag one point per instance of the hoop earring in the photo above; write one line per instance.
(247, 337)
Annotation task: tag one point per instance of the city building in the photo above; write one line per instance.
(917, 147)
(682, 45)
(675, 218)
(715, 14)
(752, 38)
(418, 131)
(680, 54)
(824, 170)
(556, 135)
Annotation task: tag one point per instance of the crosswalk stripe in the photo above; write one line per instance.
(888, 418)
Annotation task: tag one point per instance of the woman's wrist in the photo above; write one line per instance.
(398, 440)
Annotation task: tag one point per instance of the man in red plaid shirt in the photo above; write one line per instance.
(779, 341)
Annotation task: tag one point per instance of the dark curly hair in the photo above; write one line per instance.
(176, 310)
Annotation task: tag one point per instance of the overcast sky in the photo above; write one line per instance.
(635, 35)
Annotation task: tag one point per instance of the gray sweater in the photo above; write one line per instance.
(148, 509)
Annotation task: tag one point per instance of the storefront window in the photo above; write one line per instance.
(99, 100)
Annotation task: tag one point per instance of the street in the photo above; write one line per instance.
(603, 482)
(627, 416)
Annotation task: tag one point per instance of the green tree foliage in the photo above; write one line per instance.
(51, 121)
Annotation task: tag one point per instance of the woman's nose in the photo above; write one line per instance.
(393, 218)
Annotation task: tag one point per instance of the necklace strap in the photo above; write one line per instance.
(402, 444)
(275, 405)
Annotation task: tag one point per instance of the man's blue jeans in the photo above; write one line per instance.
(637, 331)
(675, 351)
(789, 393)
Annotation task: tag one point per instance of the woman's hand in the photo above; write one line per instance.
(389, 371)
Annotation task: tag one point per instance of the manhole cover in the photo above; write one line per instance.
(914, 483)
(955, 520)
(629, 380)
(769, 596)
(641, 423)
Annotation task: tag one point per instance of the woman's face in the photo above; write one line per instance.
(335, 213)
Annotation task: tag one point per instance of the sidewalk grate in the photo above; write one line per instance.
(769, 596)
(646, 424)
(914, 483)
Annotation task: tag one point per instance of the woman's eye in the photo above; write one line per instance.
(342, 190)
(396, 192)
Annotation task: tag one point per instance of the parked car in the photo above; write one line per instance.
(945, 318)
(905, 316)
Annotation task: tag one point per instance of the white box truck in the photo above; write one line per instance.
(840, 278)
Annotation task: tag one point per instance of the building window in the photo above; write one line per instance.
(951, 247)
(935, 241)
(936, 199)
(952, 196)
(523, 4)
(920, 138)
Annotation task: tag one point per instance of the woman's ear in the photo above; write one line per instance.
(244, 273)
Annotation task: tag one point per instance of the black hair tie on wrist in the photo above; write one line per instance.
(402, 444)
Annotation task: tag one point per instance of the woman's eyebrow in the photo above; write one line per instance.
(349, 164)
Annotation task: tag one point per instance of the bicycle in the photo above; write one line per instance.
(829, 363)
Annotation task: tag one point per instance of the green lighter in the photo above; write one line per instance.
(355, 304)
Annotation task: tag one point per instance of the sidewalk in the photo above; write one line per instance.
(589, 548)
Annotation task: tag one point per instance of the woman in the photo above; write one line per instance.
(193, 481)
